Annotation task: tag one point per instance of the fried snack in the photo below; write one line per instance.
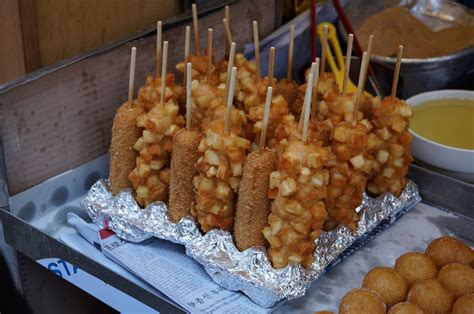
(125, 133)
(292, 94)
(347, 180)
(151, 175)
(414, 266)
(206, 98)
(464, 304)
(253, 205)
(298, 214)
(324, 312)
(199, 69)
(405, 308)
(278, 109)
(183, 158)
(220, 168)
(149, 94)
(389, 144)
(431, 296)
(459, 278)
(387, 283)
(359, 301)
(446, 250)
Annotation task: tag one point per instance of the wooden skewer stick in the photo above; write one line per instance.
(266, 115)
(324, 47)
(227, 17)
(163, 72)
(347, 66)
(228, 34)
(303, 109)
(209, 53)
(158, 48)
(314, 97)
(196, 30)
(309, 92)
(230, 98)
(257, 48)
(186, 50)
(188, 95)
(369, 52)
(359, 88)
(131, 79)
(230, 65)
(271, 66)
(397, 72)
(290, 53)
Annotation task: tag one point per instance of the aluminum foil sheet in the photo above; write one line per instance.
(249, 271)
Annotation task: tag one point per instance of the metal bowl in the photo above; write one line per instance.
(455, 70)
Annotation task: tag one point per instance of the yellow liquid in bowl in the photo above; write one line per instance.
(446, 121)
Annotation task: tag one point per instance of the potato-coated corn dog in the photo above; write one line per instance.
(298, 213)
(253, 205)
(125, 133)
(183, 158)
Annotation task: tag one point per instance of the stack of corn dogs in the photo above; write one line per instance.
(272, 162)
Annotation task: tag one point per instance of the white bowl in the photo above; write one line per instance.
(458, 162)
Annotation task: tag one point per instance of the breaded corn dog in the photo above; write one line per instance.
(183, 158)
(298, 213)
(253, 205)
(125, 133)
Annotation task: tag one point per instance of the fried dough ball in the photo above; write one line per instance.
(464, 304)
(459, 278)
(431, 296)
(405, 308)
(414, 266)
(324, 312)
(446, 250)
(387, 283)
(359, 301)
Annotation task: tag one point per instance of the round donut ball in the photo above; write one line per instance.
(388, 284)
(447, 250)
(359, 301)
(405, 308)
(459, 278)
(431, 296)
(464, 304)
(414, 266)
(324, 312)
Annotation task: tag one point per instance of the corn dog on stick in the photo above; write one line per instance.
(220, 169)
(253, 205)
(183, 158)
(298, 213)
(389, 144)
(125, 133)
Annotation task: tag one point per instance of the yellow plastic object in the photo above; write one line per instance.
(336, 64)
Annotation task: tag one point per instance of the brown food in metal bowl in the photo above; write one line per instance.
(464, 304)
(431, 296)
(388, 284)
(405, 308)
(414, 266)
(359, 301)
(459, 278)
(446, 250)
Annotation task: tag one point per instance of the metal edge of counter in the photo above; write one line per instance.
(37, 245)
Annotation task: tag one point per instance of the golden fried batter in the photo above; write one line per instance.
(431, 296)
(414, 266)
(405, 308)
(183, 158)
(253, 205)
(459, 278)
(446, 250)
(464, 304)
(359, 301)
(122, 155)
(387, 283)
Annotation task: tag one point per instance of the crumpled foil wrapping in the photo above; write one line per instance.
(249, 271)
